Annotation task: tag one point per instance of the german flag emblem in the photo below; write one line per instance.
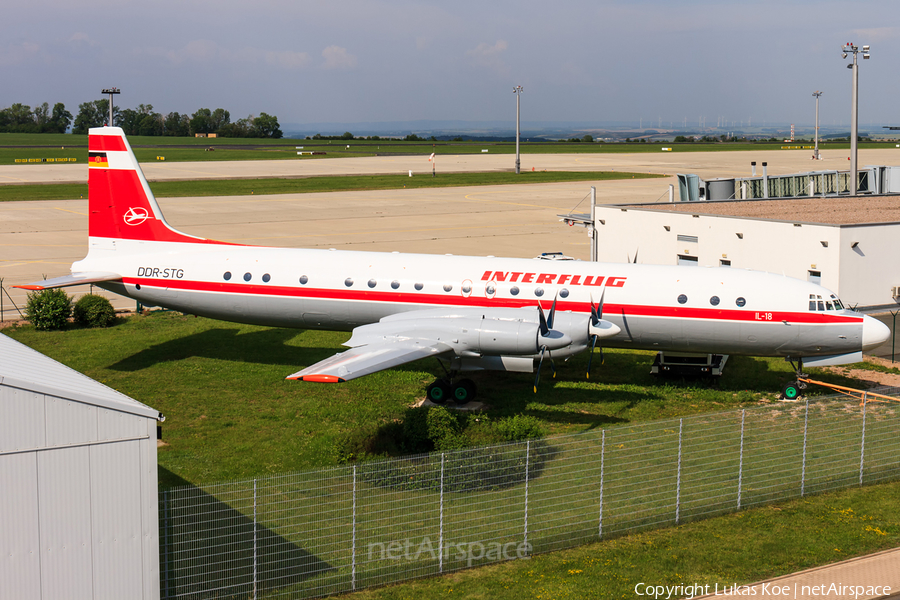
(97, 159)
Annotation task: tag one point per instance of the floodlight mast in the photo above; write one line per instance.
(518, 92)
(816, 151)
(851, 48)
(111, 92)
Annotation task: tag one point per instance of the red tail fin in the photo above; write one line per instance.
(120, 202)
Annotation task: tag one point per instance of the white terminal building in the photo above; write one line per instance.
(849, 245)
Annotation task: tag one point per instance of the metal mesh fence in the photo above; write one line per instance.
(339, 529)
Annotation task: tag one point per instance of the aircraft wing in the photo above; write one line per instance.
(369, 358)
(73, 279)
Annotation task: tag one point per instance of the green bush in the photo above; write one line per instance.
(519, 428)
(48, 309)
(92, 310)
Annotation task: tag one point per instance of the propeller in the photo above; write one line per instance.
(548, 339)
(599, 328)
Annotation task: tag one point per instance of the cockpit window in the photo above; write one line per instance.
(816, 302)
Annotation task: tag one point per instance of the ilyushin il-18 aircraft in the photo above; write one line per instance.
(472, 313)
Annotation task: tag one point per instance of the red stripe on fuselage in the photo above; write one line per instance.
(609, 309)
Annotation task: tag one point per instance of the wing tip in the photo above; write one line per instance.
(35, 288)
(317, 378)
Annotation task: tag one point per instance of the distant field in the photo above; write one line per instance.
(243, 187)
(19, 146)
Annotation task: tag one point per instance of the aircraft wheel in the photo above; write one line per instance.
(438, 392)
(464, 391)
(791, 391)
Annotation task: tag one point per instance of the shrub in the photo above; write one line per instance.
(48, 309)
(92, 310)
(519, 428)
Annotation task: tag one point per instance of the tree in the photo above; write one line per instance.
(347, 136)
(219, 119)
(266, 126)
(60, 119)
(587, 138)
(92, 114)
(19, 118)
(201, 121)
(177, 124)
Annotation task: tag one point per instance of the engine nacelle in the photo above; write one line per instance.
(474, 332)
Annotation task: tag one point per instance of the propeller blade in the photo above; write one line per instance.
(552, 313)
(591, 355)
(545, 328)
(537, 376)
(635, 256)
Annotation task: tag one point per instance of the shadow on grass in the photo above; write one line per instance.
(210, 549)
(268, 346)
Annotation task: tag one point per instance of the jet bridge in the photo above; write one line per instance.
(873, 180)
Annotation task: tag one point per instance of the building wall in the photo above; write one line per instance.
(860, 277)
(78, 509)
(873, 267)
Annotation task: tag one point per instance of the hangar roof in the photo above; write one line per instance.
(829, 210)
(28, 369)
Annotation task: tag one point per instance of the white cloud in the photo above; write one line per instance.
(19, 53)
(287, 59)
(338, 58)
(876, 34)
(82, 39)
(488, 56)
(195, 51)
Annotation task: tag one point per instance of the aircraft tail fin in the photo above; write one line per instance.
(120, 203)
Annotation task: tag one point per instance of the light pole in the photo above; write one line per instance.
(816, 151)
(111, 92)
(850, 48)
(518, 92)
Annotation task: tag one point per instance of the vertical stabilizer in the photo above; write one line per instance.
(120, 203)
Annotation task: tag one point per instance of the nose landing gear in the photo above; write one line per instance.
(794, 389)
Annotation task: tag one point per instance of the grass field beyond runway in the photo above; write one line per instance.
(246, 187)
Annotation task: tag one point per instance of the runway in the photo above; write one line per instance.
(43, 238)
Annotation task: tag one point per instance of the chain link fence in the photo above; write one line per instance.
(333, 530)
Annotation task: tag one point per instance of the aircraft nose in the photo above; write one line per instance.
(874, 333)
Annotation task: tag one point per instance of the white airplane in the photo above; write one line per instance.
(472, 313)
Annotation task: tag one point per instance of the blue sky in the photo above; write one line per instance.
(352, 61)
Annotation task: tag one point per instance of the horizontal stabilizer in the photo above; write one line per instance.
(371, 358)
(73, 279)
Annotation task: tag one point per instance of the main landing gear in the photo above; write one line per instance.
(461, 392)
(794, 389)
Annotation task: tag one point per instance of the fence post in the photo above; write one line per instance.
(254, 540)
(527, 466)
(803, 468)
(441, 532)
(353, 536)
(862, 444)
(678, 483)
(602, 464)
(741, 463)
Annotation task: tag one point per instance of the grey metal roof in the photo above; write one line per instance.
(28, 369)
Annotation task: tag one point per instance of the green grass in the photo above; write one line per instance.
(741, 548)
(231, 414)
(245, 187)
(147, 149)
